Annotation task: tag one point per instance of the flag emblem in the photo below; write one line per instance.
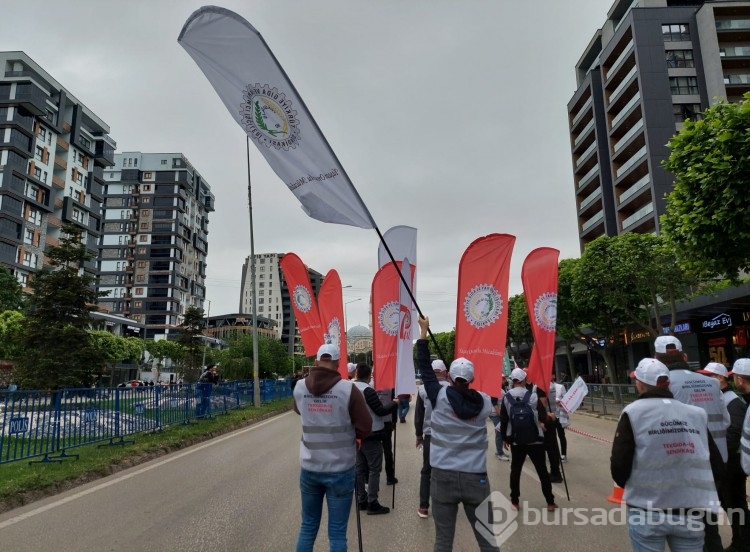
(545, 311)
(302, 298)
(388, 317)
(482, 305)
(268, 117)
(333, 332)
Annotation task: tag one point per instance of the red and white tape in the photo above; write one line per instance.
(590, 435)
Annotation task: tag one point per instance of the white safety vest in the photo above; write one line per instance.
(427, 422)
(728, 397)
(456, 444)
(745, 443)
(515, 394)
(672, 466)
(377, 421)
(704, 392)
(385, 399)
(328, 439)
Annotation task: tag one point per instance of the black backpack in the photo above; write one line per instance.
(524, 430)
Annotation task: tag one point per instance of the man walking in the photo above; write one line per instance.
(333, 414)
(557, 424)
(458, 448)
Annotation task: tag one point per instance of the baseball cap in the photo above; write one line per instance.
(666, 343)
(328, 350)
(741, 367)
(518, 375)
(462, 368)
(351, 367)
(649, 370)
(438, 366)
(714, 368)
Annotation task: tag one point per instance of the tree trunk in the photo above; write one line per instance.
(609, 358)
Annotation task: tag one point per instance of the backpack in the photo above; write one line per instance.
(524, 430)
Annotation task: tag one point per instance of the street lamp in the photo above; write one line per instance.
(345, 304)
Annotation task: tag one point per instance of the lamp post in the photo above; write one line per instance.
(345, 304)
(205, 343)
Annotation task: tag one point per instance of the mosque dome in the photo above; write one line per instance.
(358, 331)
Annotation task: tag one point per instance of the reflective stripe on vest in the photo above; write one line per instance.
(377, 421)
(671, 466)
(456, 444)
(745, 443)
(427, 422)
(327, 443)
(704, 392)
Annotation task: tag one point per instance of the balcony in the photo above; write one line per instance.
(584, 132)
(584, 156)
(638, 215)
(733, 24)
(63, 144)
(592, 221)
(596, 194)
(104, 152)
(618, 62)
(61, 163)
(32, 98)
(736, 79)
(581, 112)
(629, 134)
(637, 156)
(635, 188)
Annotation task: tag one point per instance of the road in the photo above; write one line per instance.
(240, 492)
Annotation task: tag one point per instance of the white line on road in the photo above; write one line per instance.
(71, 498)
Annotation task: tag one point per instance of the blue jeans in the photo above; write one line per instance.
(652, 530)
(338, 489)
(403, 408)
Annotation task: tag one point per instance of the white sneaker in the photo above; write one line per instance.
(503, 457)
(563, 458)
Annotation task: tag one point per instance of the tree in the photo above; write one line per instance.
(11, 330)
(163, 350)
(447, 344)
(569, 316)
(236, 362)
(519, 326)
(59, 349)
(706, 213)
(12, 296)
(115, 348)
(190, 331)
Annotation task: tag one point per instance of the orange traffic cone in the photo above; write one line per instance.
(616, 495)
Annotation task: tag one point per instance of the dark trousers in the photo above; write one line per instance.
(424, 475)
(390, 469)
(561, 435)
(518, 457)
(734, 502)
(550, 445)
(369, 464)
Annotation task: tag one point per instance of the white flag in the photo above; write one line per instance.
(402, 242)
(261, 98)
(574, 397)
(405, 379)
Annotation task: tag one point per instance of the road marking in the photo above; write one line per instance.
(80, 494)
(590, 435)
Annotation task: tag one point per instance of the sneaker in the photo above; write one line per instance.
(392, 481)
(375, 508)
(423, 513)
(563, 458)
(552, 507)
(503, 457)
(557, 478)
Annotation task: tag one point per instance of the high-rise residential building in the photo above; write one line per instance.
(152, 255)
(53, 151)
(273, 295)
(653, 64)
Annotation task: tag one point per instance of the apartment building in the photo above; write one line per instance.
(653, 64)
(152, 255)
(273, 295)
(53, 152)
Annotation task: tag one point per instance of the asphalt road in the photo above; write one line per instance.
(240, 492)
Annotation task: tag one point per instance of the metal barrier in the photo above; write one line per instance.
(44, 423)
(609, 399)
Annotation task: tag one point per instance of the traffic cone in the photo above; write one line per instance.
(616, 495)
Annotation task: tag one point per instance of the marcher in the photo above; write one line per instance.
(370, 453)
(403, 407)
(387, 397)
(697, 390)
(665, 459)
(333, 414)
(458, 448)
(557, 423)
(351, 368)
(529, 442)
(495, 421)
(550, 433)
(423, 429)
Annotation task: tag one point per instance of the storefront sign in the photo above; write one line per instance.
(717, 323)
(679, 328)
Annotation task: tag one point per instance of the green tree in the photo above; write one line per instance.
(12, 296)
(190, 332)
(447, 343)
(706, 215)
(236, 362)
(519, 326)
(11, 331)
(569, 316)
(59, 349)
(115, 348)
(164, 349)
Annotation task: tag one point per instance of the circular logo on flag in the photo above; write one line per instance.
(268, 117)
(482, 305)
(388, 318)
(302, 298)
(333, 334)
(545, 311)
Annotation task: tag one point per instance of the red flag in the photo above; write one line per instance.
(303, 302)
(385, 326)
(539, 277)
(482, 314)
(331, 306)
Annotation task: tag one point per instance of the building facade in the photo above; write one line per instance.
(653, 64)
(273, 295)
(53, 153)
(154, 244)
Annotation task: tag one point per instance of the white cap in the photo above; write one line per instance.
(328, 350)
(649, 370)
(666, 343)
(518, 375)
(714, 368)
(462, 368)
(438, 366)
(351, 367)
(741, 367)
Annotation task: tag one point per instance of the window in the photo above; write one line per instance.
(675, 33)
(39, 174)
(144, 226)
(23, 279)
(137, 304)
(146, 213)
(683, 112)
(32, 191)
(680, 58)
(28, 236)
(42, 133)
(29, 259)
(145, 200)
(77, 215)
(135, 162)
(148, 175)
(139, 291)
(141, 264)
(34, 216)
(163, 161)
(140, 278)
(141, 250)
(85, 142)
(143, 238)
(680, 86)
(39, 153)
(260, 301)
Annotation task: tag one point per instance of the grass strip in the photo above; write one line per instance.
(21, 483)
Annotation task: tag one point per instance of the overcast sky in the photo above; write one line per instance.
(449, 116)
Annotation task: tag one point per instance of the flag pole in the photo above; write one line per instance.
(256, 377)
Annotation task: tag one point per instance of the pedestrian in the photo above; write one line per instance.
(458, 447)
(387, 397)
(370, 452)
(403, 407)
(207, 380)
(550, 433)
(351, 369)
(495, 421)
(423, 429)
(559, 411)
(665, 459)
(333, 413)
(697, 390)
(522, 421)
